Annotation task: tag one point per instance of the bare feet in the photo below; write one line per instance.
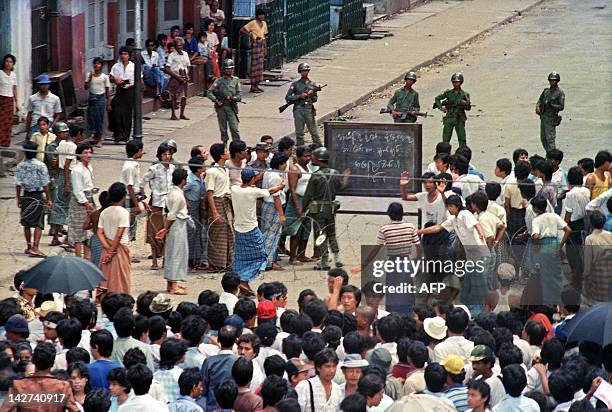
(173, 117)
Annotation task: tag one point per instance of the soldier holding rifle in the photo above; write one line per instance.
(454, 102)
(225, 93)
(550, 103)
(404, 105)
(302, 95)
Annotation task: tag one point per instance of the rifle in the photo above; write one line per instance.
(449, 106)
(403, 115)
(314, 89)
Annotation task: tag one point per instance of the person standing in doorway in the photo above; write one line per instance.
(454, 102)
(122, 75)
(258, 30)
(98, 85)
(550, 103)
(302, 93)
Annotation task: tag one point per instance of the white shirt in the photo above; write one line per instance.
(160, 179)
(497, 389)
(599, 203)
(82, 181)
(218, 13)
(273, 178)
(258, 376)
(244, 201)
(384, 404)
(391, 347)
(150, 60)
(111, 219)
(518, 404)
(119, 71)
(176, 204)
(130, 174)
(7, 81)
(178, 62)
(321, 403)
(576, 201)
(503, 183)
(498, 210)
(464, 225)
(547, 225)
(469, 184)
(229, 300)
(266, 352)
(435, 211)
(489, 223)
(66, 151)
(98, 84)
(217, 180)
(453, 345)
(143, 403)
(46, 106)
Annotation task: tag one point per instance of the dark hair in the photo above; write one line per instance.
(552, 353)
(597, 220)
(353, 343)
(216, 314)
(242, 371)
(539, 203)
(403, 346)
(230, 282)
(42, 119)
(125, 49)
(587, 164)
(574, 176)
(216, 151)
(74, 129)
(370, 384)
(546, 168)
(133, 357)
(260, 12)
(285, 143)
(124, 322)
(161, 149)
(301, 324)
(332, 335)
(274, 389)
(246, 309)
(555, 154)
(69, 332)
(143, 302)
(277, 160)
(119, 375)
(81, 147)
(389, 327)
(292, 346)
(482, 387)
(186, 308)
(82, 370)
(324, 356)
(227, 336)
(351, 289)
(602, 157)
(9, 56)
(288, 405)
(161, 37)
(208, 297)
(509, 354)
(317, 310)
(237, 146)
(226, 393)
(312, 343)
(536, 332)
(178, 176)
(286, 320)
(157, 328)
(518, 153)
(252, 339)
(527, 189)
(435, 377)
(116, 192)
(395, 211)
(443, 147)
(454, 200)
(304, 296)
(442, 157)
(514, 379)
(302, 151)
(77, 355)
(170, 352)
(493, 190)
(175, 319)
(522, 169)
(97, 400)
(274, 365)
(504, 165)
(102, 340)
(44, 356)
(193, 329)
(480, 199)
(418, 354)
(140, 378)
(354, 403)
(267, 333)
(30, 149)
(189, 378)
(132, 147)
(457, 320)
(461, 164)
(196, 163)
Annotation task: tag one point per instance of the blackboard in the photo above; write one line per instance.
(379, 151)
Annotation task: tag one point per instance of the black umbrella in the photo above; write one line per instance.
(592, 325)
(63, 274)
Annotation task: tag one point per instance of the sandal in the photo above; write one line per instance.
(246, 292)
(37, 254)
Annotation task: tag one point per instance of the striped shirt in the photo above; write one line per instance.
(400, 238)
(458, 396)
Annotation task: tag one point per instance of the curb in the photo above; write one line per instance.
(387, 84)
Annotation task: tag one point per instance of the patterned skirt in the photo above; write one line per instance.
(95, 112)
(59, 209)
(7, 108)
(177, 252)
(96, 249)
(249, 254)
(271, 228)
(155, 222)
(32, 210)
(545, 257)
(221, 235)
(294, 226)
(258, 56)
(197, 234)
(77, 213)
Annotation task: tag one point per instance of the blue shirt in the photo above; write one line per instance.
(473, 171)
(215, 370)
(31, 175)
(608, 225)
(194, 188)
(185, 404)
(458, 396)
(99, 371)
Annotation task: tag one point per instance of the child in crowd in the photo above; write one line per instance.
(441, 147)
(503, 170)
(574, 213)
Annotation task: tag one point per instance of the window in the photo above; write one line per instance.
(95, 35)
(171, 9)
(127, 19)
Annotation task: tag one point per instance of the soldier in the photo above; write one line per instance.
(303, 93)
(319, 199)
(454, 102)
(225, 93)
(550, 103)
(405, 100)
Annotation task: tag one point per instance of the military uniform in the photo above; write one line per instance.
(227, 114)
(551, 102)
(405, 101)
(457, 102)
(319, 199)
(303, 110)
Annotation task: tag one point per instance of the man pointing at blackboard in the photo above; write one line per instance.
(320, 201)
(404, 105)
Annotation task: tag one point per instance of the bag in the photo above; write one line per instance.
(312, 408)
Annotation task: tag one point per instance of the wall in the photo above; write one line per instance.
(21, 46)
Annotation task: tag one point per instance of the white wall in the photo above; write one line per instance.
(21, 46)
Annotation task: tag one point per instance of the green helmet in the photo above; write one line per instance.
(457, 77)
(321, 154)
(228, 64)
(60, 127)
(410, 76)
(303, 66)
(554, 76)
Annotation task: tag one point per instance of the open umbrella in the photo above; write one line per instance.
(592, 325)
(63, 274)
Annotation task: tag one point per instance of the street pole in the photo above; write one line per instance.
(137, 72)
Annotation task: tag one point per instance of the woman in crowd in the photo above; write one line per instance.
(258, 30)
(98, 85)
(272, 213)
(8, 102)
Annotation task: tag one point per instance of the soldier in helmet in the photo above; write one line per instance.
(454, 102)
(405, 100)
(550, 103)
(303, 93)
(319, 200)
(225, 93)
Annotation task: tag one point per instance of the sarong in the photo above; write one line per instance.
(221, 236)
(59, 208)
(7, 108)
(155, 222)
(32, 210)
(545, 256)
(120, 119)
(177, 89)
(96, 106)
(249, 255)
(95, 249)
(197, 235)
(271, 229)
(177, 252)
(117, 272)
(294, 226)
(475, 281)
(133, 220)
(258, 56)
(76, 217)
(598, 282)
